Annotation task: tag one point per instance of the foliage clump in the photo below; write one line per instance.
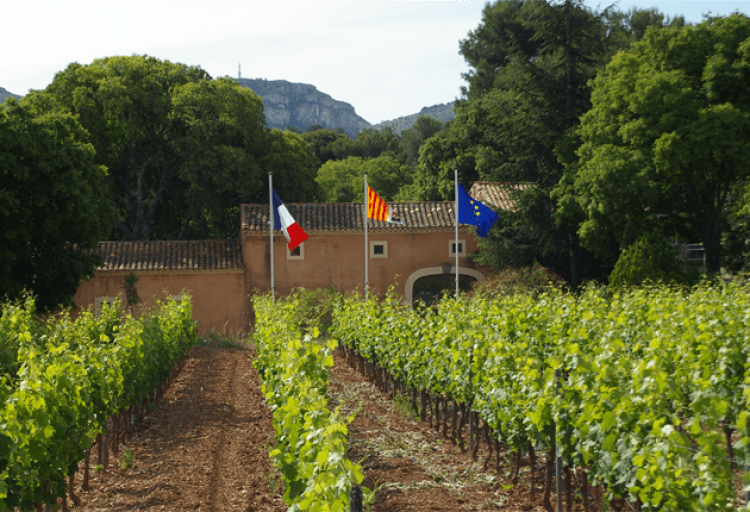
(314, 308)
(650, 258)
(519, 280)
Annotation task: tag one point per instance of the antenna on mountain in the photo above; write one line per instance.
(239, 71)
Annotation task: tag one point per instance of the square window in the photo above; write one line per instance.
(379, 250)
(298, 253)
(98, 303)
(454, 247)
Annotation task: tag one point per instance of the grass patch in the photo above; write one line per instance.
(218, 340)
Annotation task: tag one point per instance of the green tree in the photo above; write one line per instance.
(218, 152)
(54, 206)
(368, 143)
(293, 164)
(337, 180)
(343, 180)
(414, 138)
(531, 62)
(438, 157)
(177, 143)
(667, 140)
(322, 142)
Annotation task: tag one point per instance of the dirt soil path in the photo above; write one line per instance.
(414, 468)
(203, 447)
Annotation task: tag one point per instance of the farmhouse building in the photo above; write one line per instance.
(222, 276)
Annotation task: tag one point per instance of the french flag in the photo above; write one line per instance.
(282, 220)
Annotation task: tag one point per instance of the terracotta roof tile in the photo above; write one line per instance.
(496, 194)
(188, 255)
(347, 217)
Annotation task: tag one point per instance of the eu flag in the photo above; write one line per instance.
(471, 211)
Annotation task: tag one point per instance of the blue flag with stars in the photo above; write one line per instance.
(471, 211)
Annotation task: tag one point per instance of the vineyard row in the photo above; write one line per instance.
(652, 403)
(311, 439)
(65, 385)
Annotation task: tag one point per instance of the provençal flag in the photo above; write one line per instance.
(471, 211)
(377, 209)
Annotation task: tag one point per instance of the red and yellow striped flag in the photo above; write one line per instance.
(376, 207)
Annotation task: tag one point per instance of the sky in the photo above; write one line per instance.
(387, 58)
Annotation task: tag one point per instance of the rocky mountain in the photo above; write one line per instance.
(4, 94)
(301, 105)
(442, 112)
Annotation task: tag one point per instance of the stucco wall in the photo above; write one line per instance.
(340, 260)
(218, 298)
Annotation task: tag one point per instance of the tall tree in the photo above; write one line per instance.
(667, 140)
(54, 205)
(531, 62)
(217, 158)
(293, 163)
(167, 133)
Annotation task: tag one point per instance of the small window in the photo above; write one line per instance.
(378, 250)
(454, 247)
(98, 303)
(298, 253)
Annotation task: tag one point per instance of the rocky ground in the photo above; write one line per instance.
(205, 447)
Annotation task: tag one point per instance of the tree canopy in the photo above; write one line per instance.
(667, 141)
(531, 64)
(414, 138)
(343, 180)
(54, 205)
(325, 143)
(183, 150)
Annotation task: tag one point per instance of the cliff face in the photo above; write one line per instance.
(442, 112)
(301, 105)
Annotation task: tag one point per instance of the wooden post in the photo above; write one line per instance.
(422, 405)
(355, 499)
(85, 484)
(99, 455)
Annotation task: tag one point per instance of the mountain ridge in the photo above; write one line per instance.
(7, 94)
(442, 112)
(301, 105)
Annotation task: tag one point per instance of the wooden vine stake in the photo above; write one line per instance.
(85, 484)
(355, 499)
(71, 489)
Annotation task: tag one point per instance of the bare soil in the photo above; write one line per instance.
(204, 447)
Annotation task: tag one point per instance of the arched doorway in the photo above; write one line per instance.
(466, 275)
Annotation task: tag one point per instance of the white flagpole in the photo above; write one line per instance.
(367, 252)
(455, 175)
(272, 224)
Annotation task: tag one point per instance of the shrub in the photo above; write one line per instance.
(520, 280)
(650, 258)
